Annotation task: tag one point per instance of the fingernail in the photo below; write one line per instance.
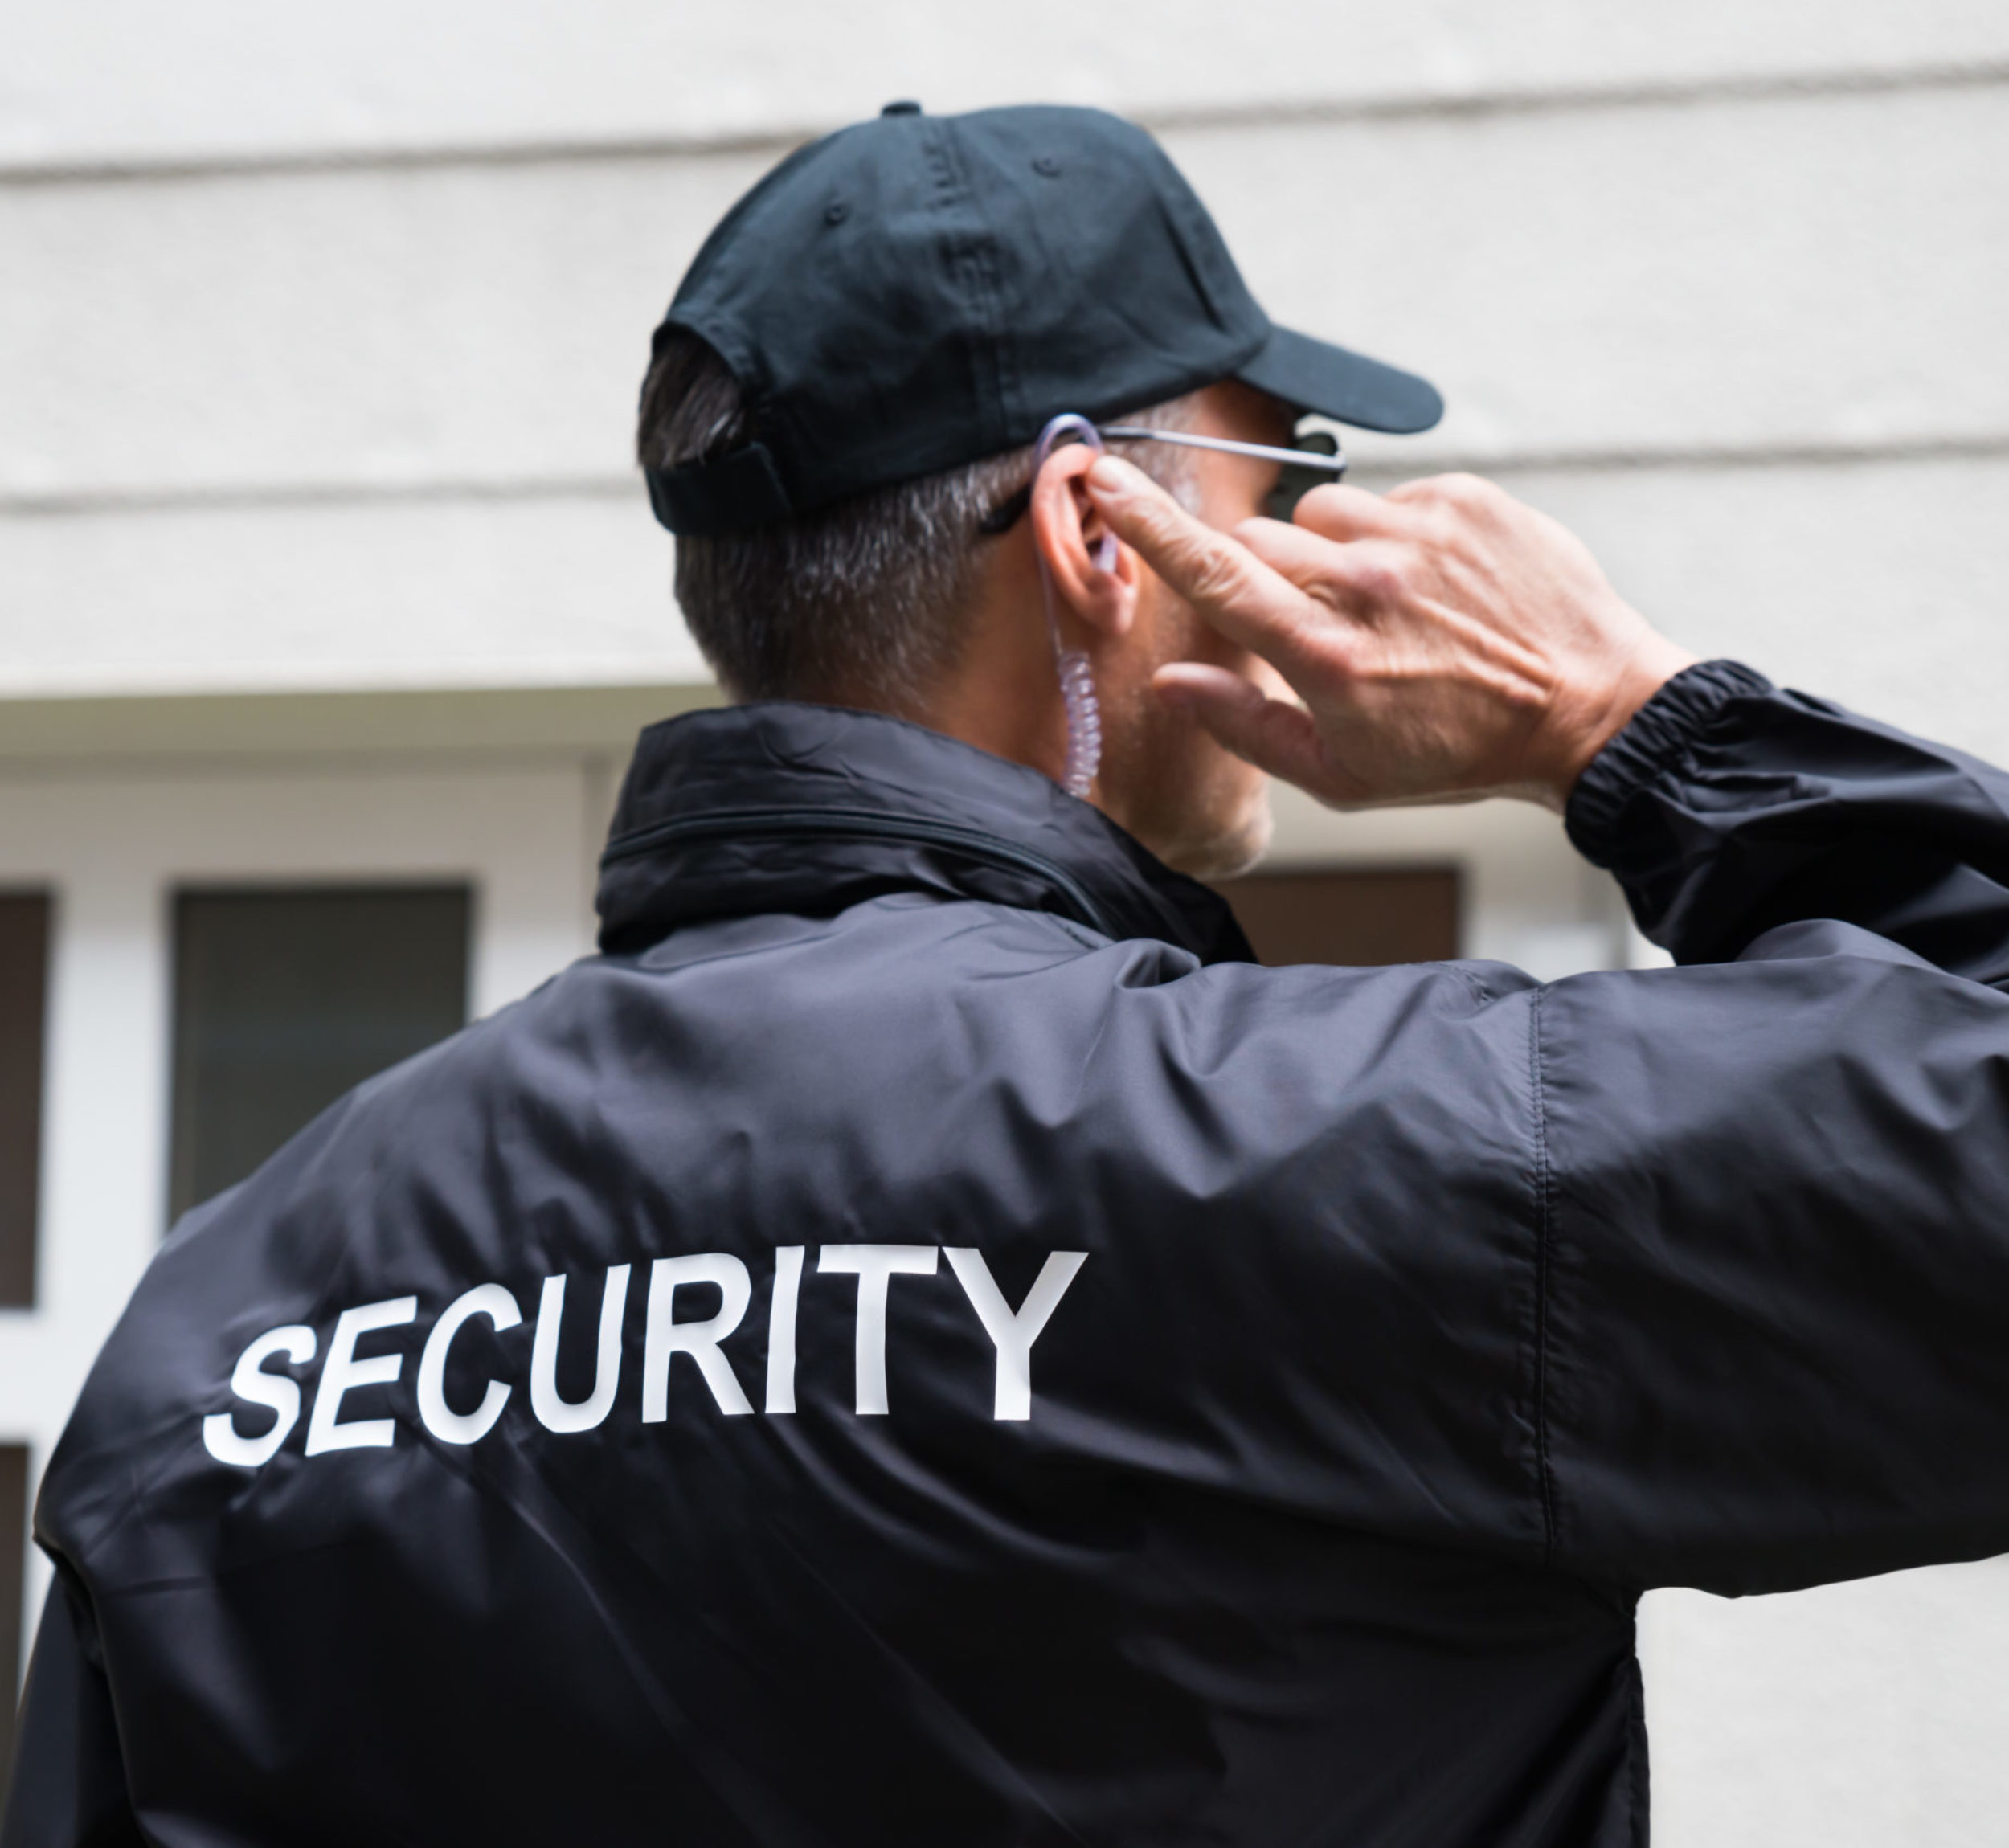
(1107, 475)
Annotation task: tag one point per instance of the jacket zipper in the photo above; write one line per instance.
(805, 823)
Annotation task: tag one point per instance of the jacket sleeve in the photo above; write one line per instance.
(68, 1789)
(1772, 1227)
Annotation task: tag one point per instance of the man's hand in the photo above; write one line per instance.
(1447, 642)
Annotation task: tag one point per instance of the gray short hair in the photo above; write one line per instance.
(857, 602)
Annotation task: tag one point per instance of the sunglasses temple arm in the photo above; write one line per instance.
(1008, 513)
(1262, 451)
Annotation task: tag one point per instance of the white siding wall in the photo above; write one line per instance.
(125, 81)
(1731, 285)
(320, 331)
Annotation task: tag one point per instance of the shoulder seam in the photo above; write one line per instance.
(1544, 1193)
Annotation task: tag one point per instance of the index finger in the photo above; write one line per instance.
(1231, 588)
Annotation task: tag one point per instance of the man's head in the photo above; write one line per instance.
(845, 392)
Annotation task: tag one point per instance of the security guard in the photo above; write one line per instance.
(921, 1339)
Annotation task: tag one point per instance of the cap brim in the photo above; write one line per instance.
(1315, 375)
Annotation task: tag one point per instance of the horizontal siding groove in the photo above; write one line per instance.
(85, 503)
(1966, 74)
(1381, 464)
(1987, 447)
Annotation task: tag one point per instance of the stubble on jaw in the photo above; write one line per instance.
(1226, 846)
(1200, 808)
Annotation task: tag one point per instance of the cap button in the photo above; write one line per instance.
(900, 109)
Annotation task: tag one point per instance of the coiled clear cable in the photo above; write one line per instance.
(1077, 679)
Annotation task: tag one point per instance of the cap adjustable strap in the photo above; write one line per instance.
(719, 493)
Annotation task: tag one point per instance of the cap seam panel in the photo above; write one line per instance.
(969, 252)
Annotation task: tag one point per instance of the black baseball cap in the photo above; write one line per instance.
(916, 293)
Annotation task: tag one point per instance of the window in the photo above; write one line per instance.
(1405, 915)
(24, 969)
(285, 997)
(13, 1540)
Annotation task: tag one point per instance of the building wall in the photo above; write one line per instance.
(320, 331)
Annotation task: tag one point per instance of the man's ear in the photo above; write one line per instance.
(1071, 536)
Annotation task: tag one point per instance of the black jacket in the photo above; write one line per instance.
(1061, 1383)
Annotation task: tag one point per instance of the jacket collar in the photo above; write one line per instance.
(783, 807)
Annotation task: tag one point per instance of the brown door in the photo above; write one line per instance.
(1360, 916)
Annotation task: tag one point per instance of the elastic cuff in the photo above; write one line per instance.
(1653, 738)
